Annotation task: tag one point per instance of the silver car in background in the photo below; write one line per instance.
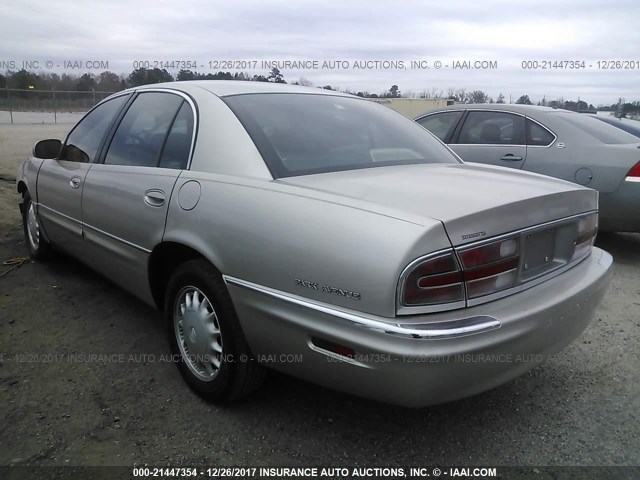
(625, 124)
(559, 143)
(319, 234)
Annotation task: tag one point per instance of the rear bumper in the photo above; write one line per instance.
(396, 368)
(619, 211)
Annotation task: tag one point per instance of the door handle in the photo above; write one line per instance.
(154, 198)
(510, 157)
(74, 182)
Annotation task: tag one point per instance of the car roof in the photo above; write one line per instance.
(223, 88)
(508, 107)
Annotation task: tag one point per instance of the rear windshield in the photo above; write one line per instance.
(599, 130)
(629, 126)
(302, 134)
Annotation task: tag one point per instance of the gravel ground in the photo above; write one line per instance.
(580, 408)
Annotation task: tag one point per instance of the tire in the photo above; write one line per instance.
(39, 248)
(218, 366)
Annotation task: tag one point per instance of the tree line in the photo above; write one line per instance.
(112, 82)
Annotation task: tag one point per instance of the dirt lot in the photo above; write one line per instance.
(580, 408)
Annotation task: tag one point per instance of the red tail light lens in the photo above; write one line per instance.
(469, 272)
(333, 347)
(490, 268)
(634, 174)
(436, 280)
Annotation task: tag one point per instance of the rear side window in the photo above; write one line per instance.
(441, 124)
(537, 135)
(175, 153)
(492, 128)
(85, 139)
(141, 134)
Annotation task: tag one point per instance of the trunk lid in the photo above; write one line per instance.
(473, 201)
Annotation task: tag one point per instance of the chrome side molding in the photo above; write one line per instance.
(428, 331)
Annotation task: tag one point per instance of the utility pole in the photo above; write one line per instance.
(55, 110)
(9, 103)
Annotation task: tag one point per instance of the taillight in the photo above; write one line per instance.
(491, 267)
(434, 281)
(634, 173)
(587, 231)
(470, 272)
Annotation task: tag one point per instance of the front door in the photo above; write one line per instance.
(61, 181)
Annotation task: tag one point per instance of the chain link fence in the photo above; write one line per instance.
(46, 106)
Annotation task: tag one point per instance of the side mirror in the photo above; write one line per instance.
(47, 149)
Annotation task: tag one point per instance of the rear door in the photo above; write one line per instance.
(125, 198)
(493, 137)
(541, 158)
(61, 181)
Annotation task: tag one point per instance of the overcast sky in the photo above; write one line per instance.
(507, 32)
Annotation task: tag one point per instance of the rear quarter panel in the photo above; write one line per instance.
(271, 235)
(574, 150)
(607, 164)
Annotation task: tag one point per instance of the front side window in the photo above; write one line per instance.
(85, 139)
(141, 134)
(302, 134)
(441, 124)
(492, 128)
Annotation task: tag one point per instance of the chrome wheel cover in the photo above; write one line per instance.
(33, 227)
(198, 334)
